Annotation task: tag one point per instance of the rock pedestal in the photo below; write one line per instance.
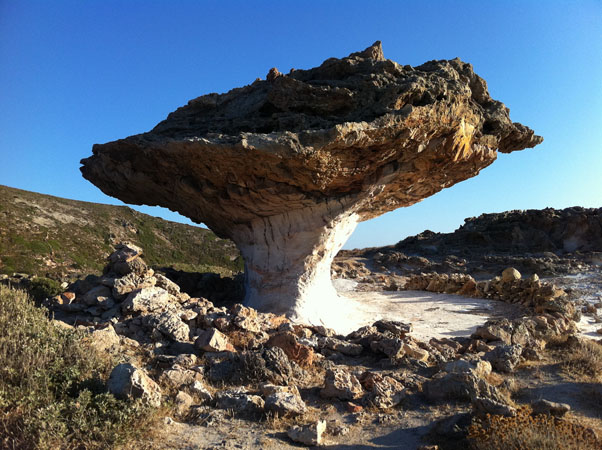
(287, 166)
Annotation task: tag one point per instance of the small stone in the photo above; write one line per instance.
(239, 400)
(212, 340)
(344, 347)
(97, 295)
(398, 328)
(67, 297)
(285, 403)
(127, 381)
(167, 284)
(301, 354)
(385, 392)
(599, 331)
(510, 274)
(342, 385)
(308, 434)
(183, 403)
(336, 428)
(105, 339)
(125, 251)
(146, 300)
(353, 407)
(198, 389)
(505, 357)
(273, 74)
(483, 406)
(392, 347)
(129, 283)
(170, 325)
(547, 407)
(415, 352)
(178, 377)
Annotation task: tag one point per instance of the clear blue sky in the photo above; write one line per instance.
(75, 73)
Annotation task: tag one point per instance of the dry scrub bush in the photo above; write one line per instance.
(51, 386)
(585, 358)
(525, 431)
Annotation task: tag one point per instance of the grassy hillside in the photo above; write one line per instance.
(59, 238)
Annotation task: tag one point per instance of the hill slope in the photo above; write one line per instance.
(51, 236)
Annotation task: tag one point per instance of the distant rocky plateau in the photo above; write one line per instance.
(549, 242)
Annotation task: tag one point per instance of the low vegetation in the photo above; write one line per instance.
(527, 431)
(59, 238)
(51, 386)
(584, 359)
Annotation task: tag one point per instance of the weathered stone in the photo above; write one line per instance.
(496, 330)
(183, 402)
(198, 389)
(105, 339)
(301, 354)
(505, 357)
(342, 385)
(308, 434)
(287, 167)
(510, 275)
(479, 368)
(239, 401)
(413, 351)
(346, 348)
(178, 377)
(483, 406)
(167, 284)
(97, 295)
(383, 392)
(129, 283)
(135, 267)
(547, 407)
(400, 329)
(124, 251)
(128, 381)
(392, 347)
(212, 340)
(271, 364)
(170, 325)
(146, 300)
(285, 403)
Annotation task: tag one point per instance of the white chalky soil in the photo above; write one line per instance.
(431, 314)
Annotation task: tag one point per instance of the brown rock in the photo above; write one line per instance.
(313, 153)
(212, 340)
(342, 385)
(510, 275)
(301, 354)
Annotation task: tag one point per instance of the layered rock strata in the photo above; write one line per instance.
(286, 167)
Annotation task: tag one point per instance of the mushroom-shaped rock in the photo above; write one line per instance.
(288, 166)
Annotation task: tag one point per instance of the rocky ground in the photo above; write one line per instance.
(237, 378)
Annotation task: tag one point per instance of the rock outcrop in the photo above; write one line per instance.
(287, 167)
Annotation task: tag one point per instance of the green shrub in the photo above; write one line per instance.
(41, 288)
(52, 389)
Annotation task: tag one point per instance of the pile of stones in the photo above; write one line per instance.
(509, 288)
(206, 358)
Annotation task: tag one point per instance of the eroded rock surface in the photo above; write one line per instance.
(287, 167)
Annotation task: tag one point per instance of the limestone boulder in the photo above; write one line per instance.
(286, 167)
(146, 300)
(342, 385)
(129, 382)
(309, 435)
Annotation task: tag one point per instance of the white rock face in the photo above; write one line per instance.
(288, 258)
